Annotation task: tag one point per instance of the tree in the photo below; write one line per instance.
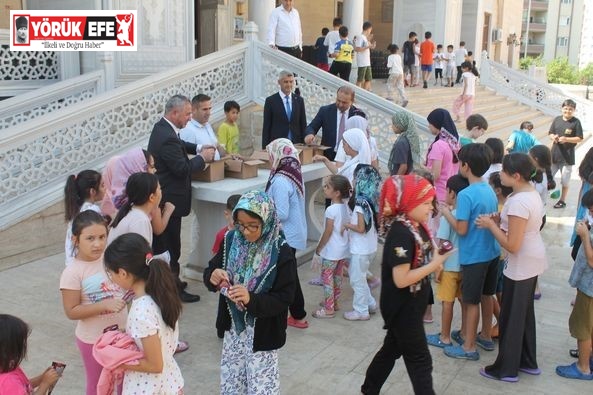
(527, 61)
(586, 75)
(561, 72)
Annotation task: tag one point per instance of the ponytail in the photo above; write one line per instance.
(78, 189)
(139, 187)
(551, 183)
(132, 253)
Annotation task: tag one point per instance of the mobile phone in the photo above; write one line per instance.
(445, 247)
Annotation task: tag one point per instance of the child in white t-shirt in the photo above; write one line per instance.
(468, 94)
(332, 250)
(449, 59)
(396, 75)
(439, 64)
(363, 239)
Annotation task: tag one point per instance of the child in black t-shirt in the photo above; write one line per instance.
(565, 132)
(408, 258)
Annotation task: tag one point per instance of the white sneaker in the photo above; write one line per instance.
(373, 309)
(356, 316)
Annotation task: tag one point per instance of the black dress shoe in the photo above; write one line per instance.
(183, 284)
(188, 298)
(574, 353)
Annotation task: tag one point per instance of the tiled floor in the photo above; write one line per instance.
(329, 357)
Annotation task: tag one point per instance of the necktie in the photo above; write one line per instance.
(288, 114)
(341, 127)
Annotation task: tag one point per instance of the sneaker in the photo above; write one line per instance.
(456, 335)
(508, 379)
(487, 345)
(573, 372)
(316, 281)
(356, 316)
(435, 340)
(373, 309)
(458, 352)
(425, 85)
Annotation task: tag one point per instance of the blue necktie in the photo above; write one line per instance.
(288, 114)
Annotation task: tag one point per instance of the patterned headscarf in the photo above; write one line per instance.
(367, 187)
(285, 162)
(117, 172)
(441, 119)
(253, 264)
(399, 196)
(404, 121)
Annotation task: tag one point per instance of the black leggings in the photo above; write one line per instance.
(297, 308)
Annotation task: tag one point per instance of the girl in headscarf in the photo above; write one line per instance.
(408, 258)
(362, 228)
(405, 154)
(441, 157)
(255, 270)
(359, 121)
(285, 187)
(116, 174)
(357, 148)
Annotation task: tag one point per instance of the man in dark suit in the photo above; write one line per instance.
(332, 119)
(174, 168)
(284, 113)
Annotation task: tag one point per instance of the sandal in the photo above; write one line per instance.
(182, 347)
(560, 204)
(301, 324)
(323, 313)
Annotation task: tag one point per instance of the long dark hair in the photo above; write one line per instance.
(78, 189)
(13, 342)
(543, 158)
(139, 187)
(518, 162)
(341, 184)
(132, 253)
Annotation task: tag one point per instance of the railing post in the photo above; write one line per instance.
(484, 68)
(106, 60)
(252, 62)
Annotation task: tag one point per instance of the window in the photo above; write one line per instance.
(567, 1)
(562, 41)
(564, 21)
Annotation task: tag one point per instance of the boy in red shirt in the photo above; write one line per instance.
(228, 215)
(427, 49)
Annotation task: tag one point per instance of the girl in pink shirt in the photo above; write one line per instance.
(13, 349)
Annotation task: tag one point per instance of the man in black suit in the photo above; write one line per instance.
(284, 113)
(174, 168)
(332, 119)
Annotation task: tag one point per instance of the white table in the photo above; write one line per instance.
(209, 201)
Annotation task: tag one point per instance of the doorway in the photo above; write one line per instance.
(485, 33)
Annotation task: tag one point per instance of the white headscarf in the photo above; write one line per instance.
(358, 141)
(358, 122)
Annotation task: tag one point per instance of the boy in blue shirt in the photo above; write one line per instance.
(580, 323)
(449, 283)
(478, 253)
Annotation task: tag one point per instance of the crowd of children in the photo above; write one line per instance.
(488, 206)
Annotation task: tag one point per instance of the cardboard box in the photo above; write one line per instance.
(262, 156)
(214, 172)
(307, 152)
(237, 168)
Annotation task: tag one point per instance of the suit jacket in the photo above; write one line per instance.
(327, 119)
(277, 124)
(173, 167)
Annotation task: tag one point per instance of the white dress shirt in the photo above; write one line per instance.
(200, 135)
(330, 41)
(284, 28)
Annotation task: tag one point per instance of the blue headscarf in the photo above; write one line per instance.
(367, 187)
(253, 264)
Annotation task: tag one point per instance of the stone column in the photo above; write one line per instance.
(259, 12)
(353, 20)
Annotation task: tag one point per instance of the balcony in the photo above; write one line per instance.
(533, 49)
(534, 27)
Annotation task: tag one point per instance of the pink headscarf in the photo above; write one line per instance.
(115, 176)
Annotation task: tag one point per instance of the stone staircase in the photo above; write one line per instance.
(503, 114)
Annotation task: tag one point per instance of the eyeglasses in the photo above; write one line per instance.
(251, 228)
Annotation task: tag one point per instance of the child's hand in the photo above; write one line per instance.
(217, 276)
(484, 221)
(113, 305)
(239, 294)
(50, 377)
(169, 208)
(344, 228)
(444, 208)
(319, 158)
(582, 229)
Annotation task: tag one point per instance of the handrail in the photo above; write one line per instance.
(42, 101)
(518, 86)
